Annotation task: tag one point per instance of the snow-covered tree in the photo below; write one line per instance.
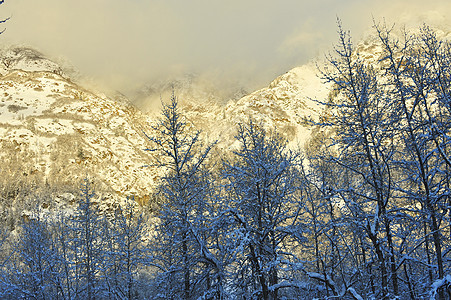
(88, 245)
(417, 72)
(390, 145)
(86, 254)
(3, 20)
(364, 139)
(261, 185)
(181, 249)
(35, 267)
(126, 251)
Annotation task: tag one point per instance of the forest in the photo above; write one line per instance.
(363, 212)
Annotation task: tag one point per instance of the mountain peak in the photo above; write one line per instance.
(26, 59)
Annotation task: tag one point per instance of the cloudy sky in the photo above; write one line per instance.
(124, 43)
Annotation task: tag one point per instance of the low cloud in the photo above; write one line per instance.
(124, 44)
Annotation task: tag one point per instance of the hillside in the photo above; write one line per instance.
(54, 131)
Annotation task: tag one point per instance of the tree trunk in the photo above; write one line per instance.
(185, 268)
(394, 275)
(381, 259)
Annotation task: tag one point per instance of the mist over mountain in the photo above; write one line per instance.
(45, 101)
(132, 45)
(189, 88)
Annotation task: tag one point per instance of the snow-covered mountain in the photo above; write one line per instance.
(60, 132)
(286, 104)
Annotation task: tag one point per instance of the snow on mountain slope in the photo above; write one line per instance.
(26, 59)
(65, 132)
(285, 104)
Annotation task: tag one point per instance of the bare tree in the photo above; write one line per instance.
(416, 69)
(181, 252)
(261, 196)
(363, 120)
